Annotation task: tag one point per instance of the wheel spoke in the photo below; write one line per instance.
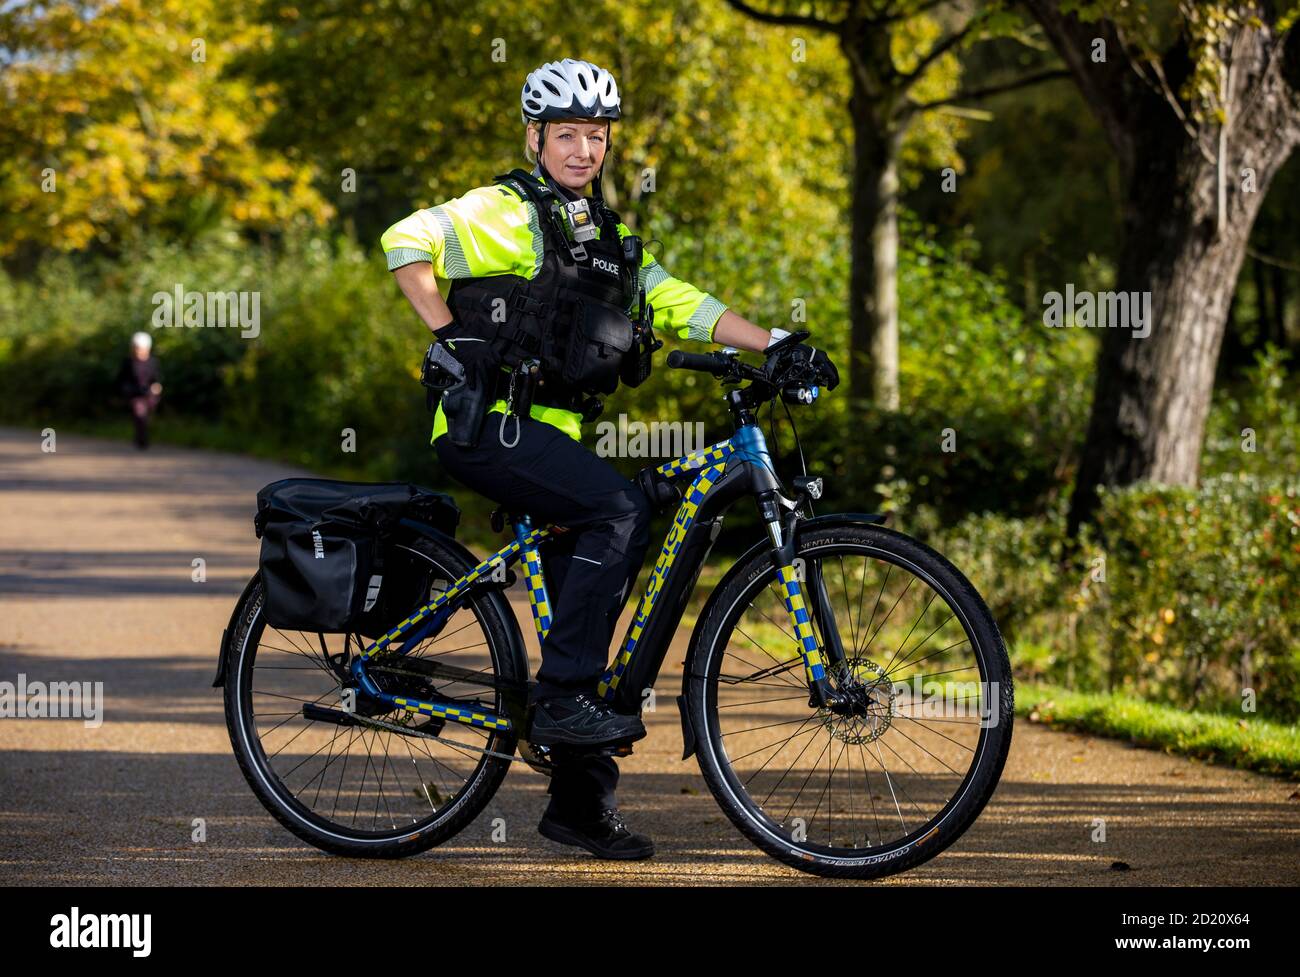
(345, 775)
(780, 753)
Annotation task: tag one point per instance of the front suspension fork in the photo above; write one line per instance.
(803, 591)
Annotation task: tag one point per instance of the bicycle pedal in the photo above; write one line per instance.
(566, 751)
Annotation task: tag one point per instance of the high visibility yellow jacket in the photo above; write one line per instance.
(493, 231)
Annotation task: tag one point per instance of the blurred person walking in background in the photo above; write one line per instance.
(140, 382)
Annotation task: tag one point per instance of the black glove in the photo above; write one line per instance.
(823, 365)
(806, 366)
(480, 360)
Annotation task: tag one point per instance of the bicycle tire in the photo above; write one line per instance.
(448, 819)
(709, 648)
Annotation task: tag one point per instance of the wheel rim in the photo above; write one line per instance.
(362, 783)
(873, 781)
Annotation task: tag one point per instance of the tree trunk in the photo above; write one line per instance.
(1152, 396)
(873, 276)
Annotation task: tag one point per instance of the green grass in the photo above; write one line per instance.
(1253, 744)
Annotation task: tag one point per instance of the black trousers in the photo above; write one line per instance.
(589, 570)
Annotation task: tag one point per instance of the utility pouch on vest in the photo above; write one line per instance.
(574, 315)
(601, 340)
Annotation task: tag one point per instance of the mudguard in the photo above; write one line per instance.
(220, 681)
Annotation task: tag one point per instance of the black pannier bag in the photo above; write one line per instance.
(327, 561)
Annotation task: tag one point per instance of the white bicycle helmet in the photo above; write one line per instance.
(569, 89)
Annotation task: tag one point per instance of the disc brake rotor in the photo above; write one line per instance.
(871, 695)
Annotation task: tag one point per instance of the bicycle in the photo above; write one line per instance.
(780, 662)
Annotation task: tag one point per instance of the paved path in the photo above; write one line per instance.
(96, 548)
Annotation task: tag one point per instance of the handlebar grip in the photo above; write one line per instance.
(704, 362)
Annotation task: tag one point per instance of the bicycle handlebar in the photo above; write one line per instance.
(716, 363)
(797, 386)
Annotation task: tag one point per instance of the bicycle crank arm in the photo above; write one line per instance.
(339, 717)
(324, 714)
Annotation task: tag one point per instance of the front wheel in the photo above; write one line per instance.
(887, 783)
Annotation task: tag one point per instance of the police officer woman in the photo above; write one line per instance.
(543, 281)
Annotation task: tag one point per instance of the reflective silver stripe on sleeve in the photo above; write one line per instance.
(700, 324)
(406, 256)
(652, 276)
(453, 255)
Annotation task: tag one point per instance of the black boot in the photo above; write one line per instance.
(605, 836)
(581, 720)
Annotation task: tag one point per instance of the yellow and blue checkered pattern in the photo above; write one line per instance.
(704, 481)
(537, 598)
(467, 716)
(502, 557)
(527, 544)
(696, 459)
(792, 595)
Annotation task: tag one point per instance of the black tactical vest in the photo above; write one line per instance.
(572, 316)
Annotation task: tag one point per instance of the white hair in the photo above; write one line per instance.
(142, 339)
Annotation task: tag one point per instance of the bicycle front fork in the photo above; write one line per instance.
(803, 591)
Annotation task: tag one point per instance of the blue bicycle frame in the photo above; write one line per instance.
(718, 475)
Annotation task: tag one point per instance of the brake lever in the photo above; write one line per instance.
(734, 365)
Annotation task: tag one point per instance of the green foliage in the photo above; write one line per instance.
(978, 376)
(119, 119)
(1254, 426)
(1201, 592)
(1025, 568)
(1182, 596)
(422, 103)
(1037, 195)
(338, 348)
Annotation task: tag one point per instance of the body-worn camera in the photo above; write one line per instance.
(578, 220)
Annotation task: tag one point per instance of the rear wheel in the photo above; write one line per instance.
(894, 778)
(380, 786)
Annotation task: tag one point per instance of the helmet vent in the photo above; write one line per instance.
(570, 89)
